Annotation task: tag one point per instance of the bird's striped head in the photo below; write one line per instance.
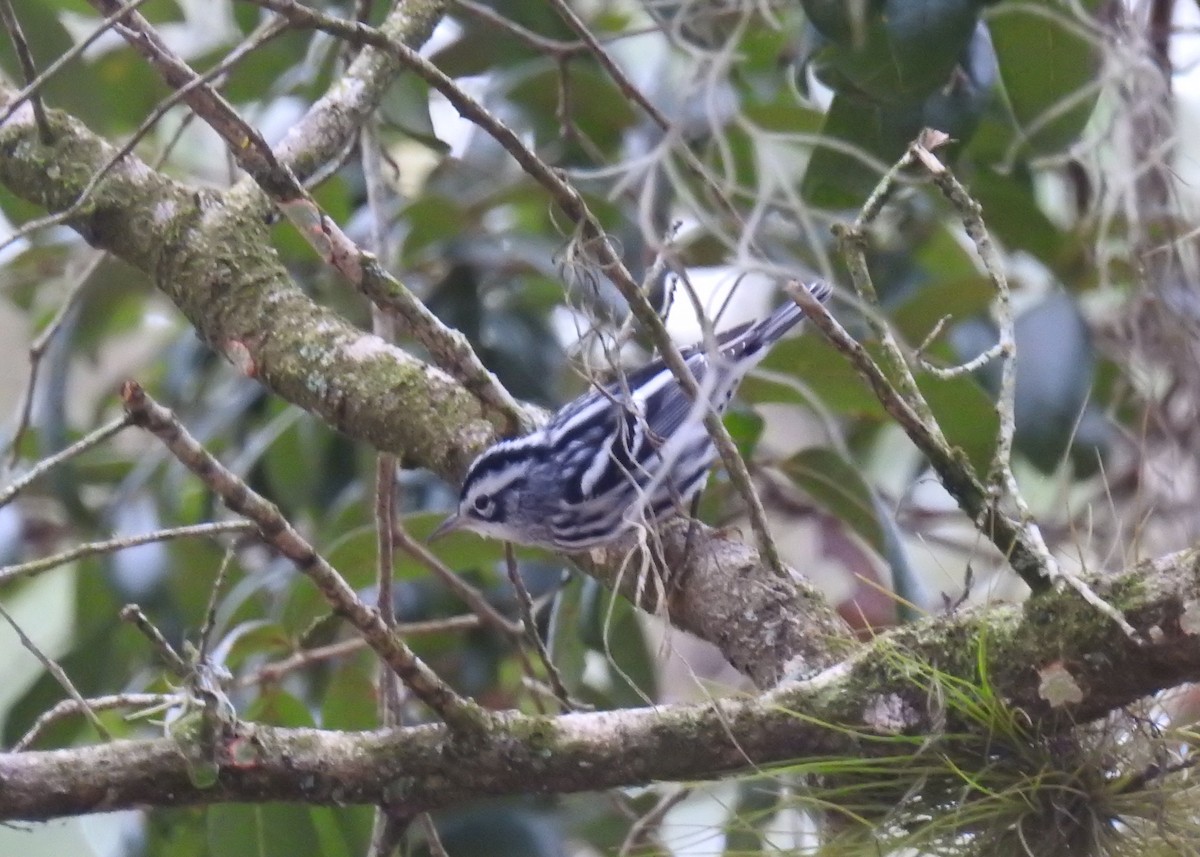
(490, 502)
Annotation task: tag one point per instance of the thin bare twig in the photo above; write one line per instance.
(432, 839)
(624, 84)
(1154, 772)
(541, 44)
(384, 507)
(691, 160)
(1002, 482)
(488, 615)
(82, 445)
(68, 707)
(739, 475)
(362, 12)
(59, 675)
(28, 68)
(458, 713)
(246, 144)
(852, 240)
(658, 270)
(388, 833)
(272, 672)
(76, 50)
(953, 470)
(525, 600)
(948, 372)
(210, 614)
(36, 566)
(265, 32)
(971, 214)
(174, 661)
(645, 827)
(1019, 539)
(37, 351)
(470, 596)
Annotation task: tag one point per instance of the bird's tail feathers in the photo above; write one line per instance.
(785, 317)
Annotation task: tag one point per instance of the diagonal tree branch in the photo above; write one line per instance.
(591, 235)
(212, 256)
(449, 348)
(334, 120)
(380, 636)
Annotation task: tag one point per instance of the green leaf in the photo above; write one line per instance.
(564, 637)
(1014, 215)
(350, 699)
(842, 21)
(122, 89)
(1055, 367)
(354, 555)
(355, 823)
(745, 427)
(599, 110)
(274, 61)
(406, 106)
(959, 298)
(433, 220)
(782, 114)
(822, 369)
(869, 137)
(336, 831)
(899, 53)
(966, 414)
(460, 551)
(288, 462)
(964, 409)
(750, 816)
(482, 47)
(262, 830)
(278, 708)
(255, 639)
(508, 828)
(836, 484)
(175, 833)
(610, 626)
(942, 255)
(1048, 64)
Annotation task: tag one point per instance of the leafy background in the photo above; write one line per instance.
(782, 118)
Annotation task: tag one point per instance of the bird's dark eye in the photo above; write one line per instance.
(484, 505)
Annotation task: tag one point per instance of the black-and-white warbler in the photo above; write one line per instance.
(620, 455)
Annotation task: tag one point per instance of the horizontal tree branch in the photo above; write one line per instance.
(882, 701)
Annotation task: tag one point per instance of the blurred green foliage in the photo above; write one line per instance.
(781, 124)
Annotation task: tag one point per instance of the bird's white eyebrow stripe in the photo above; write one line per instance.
(503, 455)
(495, 482)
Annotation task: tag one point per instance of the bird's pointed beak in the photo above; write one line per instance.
(452, 523)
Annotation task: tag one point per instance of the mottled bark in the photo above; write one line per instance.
(887, 689)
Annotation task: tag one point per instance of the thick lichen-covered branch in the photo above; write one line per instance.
(886, 700)
(222, 273)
